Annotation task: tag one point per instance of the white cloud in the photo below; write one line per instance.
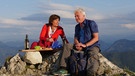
(61, 6)
(65, 11)
(92, 13)
(56, 6)
(15, 22)
(96, 16)
(129, 26)
(62, 13)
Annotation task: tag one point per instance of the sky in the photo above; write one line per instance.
(115, 18)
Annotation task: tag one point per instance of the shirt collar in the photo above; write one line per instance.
(83, 23)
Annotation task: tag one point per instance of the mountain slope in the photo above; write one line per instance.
(122, 45)
(122, 53)
(6, 50)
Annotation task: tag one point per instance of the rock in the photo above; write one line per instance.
(3, 70)
(107, 67)
(33, 57)
(17, 66)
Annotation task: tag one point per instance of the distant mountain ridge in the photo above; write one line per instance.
(104, 45)
(122, 53)
(122, 45)
(8, 49)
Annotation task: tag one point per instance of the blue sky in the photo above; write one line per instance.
(115, 18)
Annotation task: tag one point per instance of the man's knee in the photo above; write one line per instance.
(93, 65)
(92, 71)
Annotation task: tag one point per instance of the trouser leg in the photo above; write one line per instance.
(65, 54)
(93, 61)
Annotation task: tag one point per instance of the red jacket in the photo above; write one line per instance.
(44, 34)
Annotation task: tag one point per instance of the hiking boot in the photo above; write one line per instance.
(61, 72)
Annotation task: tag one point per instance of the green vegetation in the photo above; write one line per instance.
(129, 72)
(8, 58)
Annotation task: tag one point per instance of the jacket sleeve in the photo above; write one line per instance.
(59, 32)
(63, 36)
(43, 33)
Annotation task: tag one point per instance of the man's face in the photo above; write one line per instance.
(79, 17)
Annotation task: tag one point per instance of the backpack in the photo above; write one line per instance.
(77, 63)
(56, 45)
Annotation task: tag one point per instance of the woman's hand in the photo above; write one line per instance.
(50, 39)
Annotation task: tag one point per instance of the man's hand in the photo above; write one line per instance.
(80, 46)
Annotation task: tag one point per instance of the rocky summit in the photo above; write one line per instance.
(30, 66)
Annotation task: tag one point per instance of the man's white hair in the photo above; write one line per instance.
(80, 10)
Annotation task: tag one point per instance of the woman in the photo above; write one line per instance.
(50, 33)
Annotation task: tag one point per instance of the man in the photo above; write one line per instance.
(86, 37)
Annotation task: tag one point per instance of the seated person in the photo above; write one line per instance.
(86, 36)
(50, 33)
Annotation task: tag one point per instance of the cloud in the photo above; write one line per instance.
(92, 13)
(65, 11)
(109, 24)
(14, 22)
(53, 6)
(129, 26)
(97, 16)
(62, 13)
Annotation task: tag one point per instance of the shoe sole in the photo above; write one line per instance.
(61, 74)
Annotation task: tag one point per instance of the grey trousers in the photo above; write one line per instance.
(64, 55)
(93, 61)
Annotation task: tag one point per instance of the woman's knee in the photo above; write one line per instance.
(33, 45)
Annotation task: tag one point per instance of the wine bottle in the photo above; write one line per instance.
(26, 42)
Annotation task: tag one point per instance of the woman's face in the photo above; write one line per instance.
(55, 22)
